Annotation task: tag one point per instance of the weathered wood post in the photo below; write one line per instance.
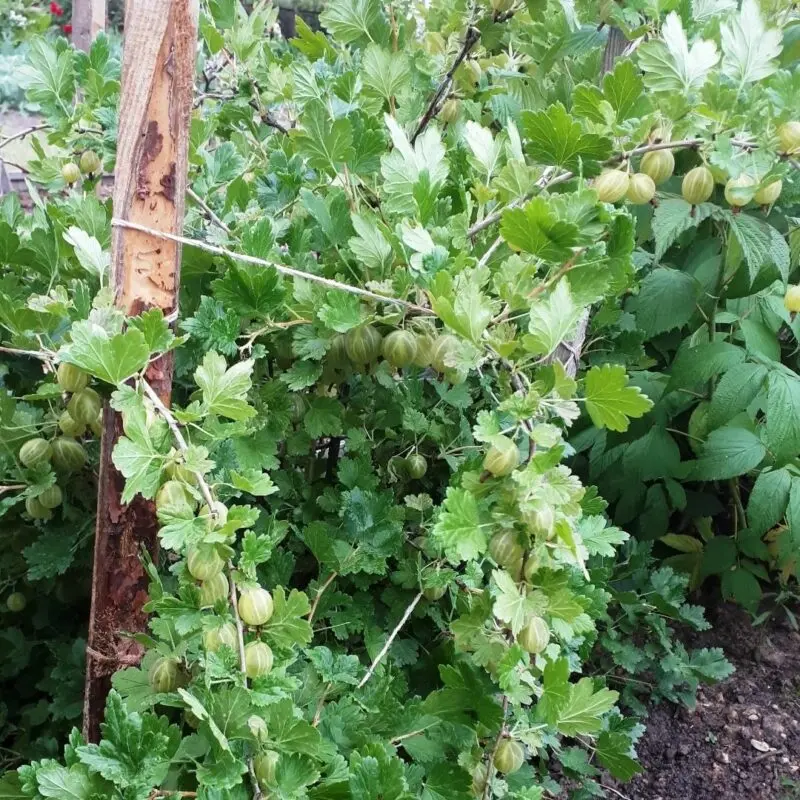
(88, 19)
(150, 182)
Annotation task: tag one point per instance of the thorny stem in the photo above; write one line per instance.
(205, 489)
(281, 268)
(392, 636)
(40, 354)
(318, 595)
(470, 40)
(487, 789)
(208, 210)
(21, 134)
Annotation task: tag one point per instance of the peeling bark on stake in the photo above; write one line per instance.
(150, 182)
(88, 19)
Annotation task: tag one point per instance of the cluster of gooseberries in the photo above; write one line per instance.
(402, 348)
(657, 166)
(89, 164)
(64, 453)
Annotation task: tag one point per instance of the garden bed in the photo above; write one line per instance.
(743, 737)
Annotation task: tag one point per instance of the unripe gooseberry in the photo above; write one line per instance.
(641, 189)
(509, 756)
(740, 191)
(16, 602)
(505, 549)
(204, 562)
(180, 472)
(174, 495)
(214, 638)
(479, 777)
(535, 636)
(35, 509)
(35, 452)
(611, 185)
(424, 348)
(85, 405)
(51, 497)
(70, 426)
(90, 162)
(789, 137)
(164, 675)
(416, 465)
(451, 110)
(697, 185)
(791, 300)
(362, 344)
(264, 766)
(213, 590)
(257, 659)
(400, 348)
(255, 606)
(658, 164)
(71, 378)
(443, 346)
(434, 593)
(768, 194)
(502, 457)
(71, 173)
(220, 513)
(68, 455)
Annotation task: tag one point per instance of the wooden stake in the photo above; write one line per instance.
(150, 182)
(88, 19)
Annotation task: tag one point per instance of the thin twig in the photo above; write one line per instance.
(23, 133)
(209, 212)
(470, 40)
(13, 487)
(170, 793)
(490, 252)
(318, 595)
(237, 619)
(392, 636)
(41, 355)
(487, 789)
(205, 489)
(284, 270)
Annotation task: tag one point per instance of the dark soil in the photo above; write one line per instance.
(743, 738)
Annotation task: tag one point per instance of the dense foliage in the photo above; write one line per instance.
(433, 603)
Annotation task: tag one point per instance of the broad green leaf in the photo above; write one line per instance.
(458, 530)
(768, 500)
(350, 20)
(783, 413)
(598, 538)
(671, 65)
(623, 88)
(89, 252)
(584, 708)
(667, 299)
(748, 46)
(736, 389)
(741, 586)
(53, 780)
(110, 357)
(326, 143)
(384, 73)
(483, 146)
(288, 625)
(341, 311)
(551, 320)
(49, 76)
(537, 229)
(610, 401)
(694, 365)
(370, 246)
(225, 390)
(761, 243)
(727, 453)
(674, 216)
(252, 291)
(323, 418)
(511, 603)
(556, 139)
(461, 304)
(614, 753)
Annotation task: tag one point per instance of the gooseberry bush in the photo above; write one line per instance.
(386, 570)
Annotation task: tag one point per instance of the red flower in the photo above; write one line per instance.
(67, 28)
(56, 10)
